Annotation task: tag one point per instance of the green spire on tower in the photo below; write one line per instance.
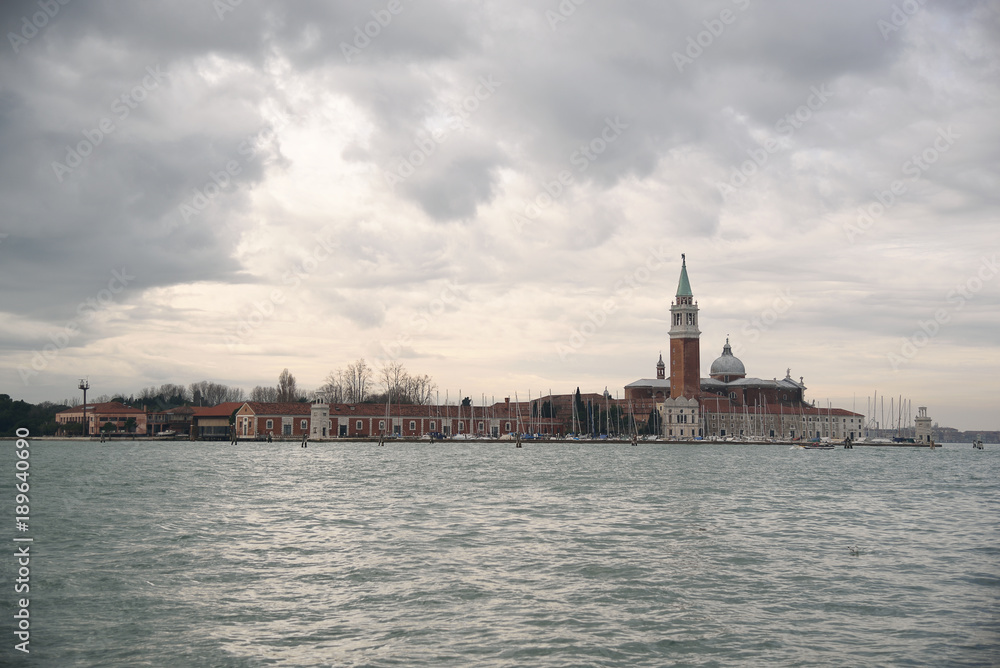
(684, 285)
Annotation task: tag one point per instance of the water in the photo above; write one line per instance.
(206, 554)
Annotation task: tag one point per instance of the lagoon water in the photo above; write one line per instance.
(467, 554)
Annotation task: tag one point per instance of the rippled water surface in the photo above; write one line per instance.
(195, 554)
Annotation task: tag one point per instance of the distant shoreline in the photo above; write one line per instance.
(505, 441)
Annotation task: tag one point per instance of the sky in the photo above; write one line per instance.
(498, 194)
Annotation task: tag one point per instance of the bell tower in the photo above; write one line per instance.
(685, 358)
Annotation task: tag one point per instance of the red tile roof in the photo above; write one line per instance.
(221, 410)
(277, 408)
(715, 404)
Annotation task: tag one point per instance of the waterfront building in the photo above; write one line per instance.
(124, 419)
(728, 403)
(174, 421)
(258, 419)
(211, 423)
(417, 421)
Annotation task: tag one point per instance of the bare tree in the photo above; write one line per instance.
(286, 387)
(357, 379)
(421, 389)
(264, 394)
(234, 394)
(394, 380)
(333, 389)
(354, 385)
(174, 394)
(212, 394)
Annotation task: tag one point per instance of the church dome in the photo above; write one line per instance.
(728, 364)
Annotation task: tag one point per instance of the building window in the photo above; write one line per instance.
(269, 424)
(358, 425)
(413, 425)
(303, 425)
(433, 425)
(507, 426)
(381, 425)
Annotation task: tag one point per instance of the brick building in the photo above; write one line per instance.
(728, 403)
(122, 418)
(417, 421)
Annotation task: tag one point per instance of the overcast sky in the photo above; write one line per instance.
(498, 194)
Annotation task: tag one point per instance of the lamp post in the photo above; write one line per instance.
(84, 385)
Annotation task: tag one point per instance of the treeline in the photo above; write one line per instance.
(358, 383)
(38, 419)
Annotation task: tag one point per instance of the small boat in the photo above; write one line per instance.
(977, 444)
(167, 433)
(815, 446)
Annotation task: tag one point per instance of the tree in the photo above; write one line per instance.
(175, 395)
(654, 425)
(264, 394)
(286, 387)
(353, 385)
(130, 425)
(333, 389)
(420, 389)
(357, 380)
(38, 419)
(581, 411)
(73, 428)
(212, 394)
(393, 378)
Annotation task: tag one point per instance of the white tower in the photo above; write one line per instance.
(923, 426)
